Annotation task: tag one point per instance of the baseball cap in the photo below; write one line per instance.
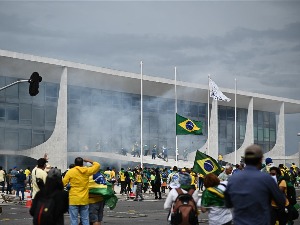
(185, 180)
(268, 160)
(253, 151)
(54, 172)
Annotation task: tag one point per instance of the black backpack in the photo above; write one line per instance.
(44, 212)
(184, 209)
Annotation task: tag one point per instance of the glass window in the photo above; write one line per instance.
(51, 92)
(12, 113)
(2, 84)
(38, 137)
(266, 134)
(38, 117)
(2, 138)
(74, 94)
(50, 115)
(25, 138)
(230, 113)
(12, 91)
(260, 134)
(272, 135)
(25, 114)
(85, 96)
(2, 113)
(260, 119)
(222, 113)
(12, 139)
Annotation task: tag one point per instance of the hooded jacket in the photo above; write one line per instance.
(78, 177)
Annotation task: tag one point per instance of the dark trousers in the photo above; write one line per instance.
(8, 188)
(2, 184)
(280, 215)
(123, 187)
(153, 155)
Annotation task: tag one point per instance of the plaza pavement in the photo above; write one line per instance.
(127, 212)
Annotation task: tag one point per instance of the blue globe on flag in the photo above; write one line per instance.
(189, 125)
(208, 165)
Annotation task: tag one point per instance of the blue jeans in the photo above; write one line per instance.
(21, 188)
(83, 211)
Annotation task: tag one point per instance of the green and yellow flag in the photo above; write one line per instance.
(187, 126)
(205, 164)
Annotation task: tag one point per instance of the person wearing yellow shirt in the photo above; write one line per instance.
(279, 214)
(113, 178)
(28, 176)
(139, 183)
(78, 177)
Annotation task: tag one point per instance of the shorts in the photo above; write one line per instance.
(96, 212)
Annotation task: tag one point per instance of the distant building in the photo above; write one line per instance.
(87, 110)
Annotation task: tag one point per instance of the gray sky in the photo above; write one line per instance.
(256, 42)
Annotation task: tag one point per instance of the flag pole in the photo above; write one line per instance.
(176, 139)
(208, 117)
(141, 156)
(235, 153)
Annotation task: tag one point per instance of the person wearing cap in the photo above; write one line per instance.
(21, 178)
(269, 164)
(250, 191)
(185, 185)
(37, 174)
(53, 189)
(78, 177)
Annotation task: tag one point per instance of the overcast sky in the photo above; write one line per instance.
(256, 42)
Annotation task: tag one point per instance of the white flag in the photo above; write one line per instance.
(216, 93)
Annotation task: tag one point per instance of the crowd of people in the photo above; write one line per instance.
(253, 192)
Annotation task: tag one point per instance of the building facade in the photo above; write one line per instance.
(91, 111)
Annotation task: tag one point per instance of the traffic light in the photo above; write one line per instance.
(34, 83)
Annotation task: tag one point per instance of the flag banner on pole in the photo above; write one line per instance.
(186, 126)
(216, 93)
(205, 164)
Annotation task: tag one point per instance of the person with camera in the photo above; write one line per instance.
(38, 176)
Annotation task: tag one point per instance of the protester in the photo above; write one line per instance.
(53, 190)
(173, 179)
(21, 178)
(250, 191)
(269, 164)
(278, 213)
(157, 184)
(14, 179)
(38, 174)
(2, 178)
(226, 173)
(78, 177)
(185, 185)
(154, 151)
(213, 202)
(8, 182)
(139, 183)
(28, 176)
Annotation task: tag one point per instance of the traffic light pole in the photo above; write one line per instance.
(16, 82)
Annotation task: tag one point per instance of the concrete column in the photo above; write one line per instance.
(249, 137)
(279, 148)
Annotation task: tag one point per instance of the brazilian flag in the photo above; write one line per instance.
(187, 126)
(205, 164)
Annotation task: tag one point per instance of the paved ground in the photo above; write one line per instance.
(127, 212)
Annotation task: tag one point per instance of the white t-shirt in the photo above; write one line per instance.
(37, 173)
(2, 174)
